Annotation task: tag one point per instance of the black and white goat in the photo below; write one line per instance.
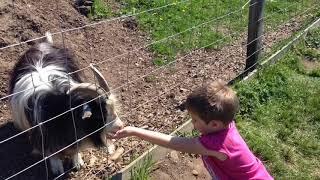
(44, 92)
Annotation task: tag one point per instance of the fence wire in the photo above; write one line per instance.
(128, 82)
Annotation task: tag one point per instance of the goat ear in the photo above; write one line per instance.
(86, 115)
(86, 111)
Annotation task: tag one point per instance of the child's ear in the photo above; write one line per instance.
(213, 124)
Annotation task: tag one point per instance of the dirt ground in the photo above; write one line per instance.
(148, 95)
(177, 166)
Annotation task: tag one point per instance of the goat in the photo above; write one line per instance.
(63, 107)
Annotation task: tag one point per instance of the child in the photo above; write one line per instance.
(224, 152)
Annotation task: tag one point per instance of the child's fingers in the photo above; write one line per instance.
(119, 134)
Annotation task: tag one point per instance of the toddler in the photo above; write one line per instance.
(225, 154)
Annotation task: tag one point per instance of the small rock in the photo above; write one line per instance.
(195, 173)
(116, 155)
(92, 160)
(171, 95)
(174, 156)
(144, 127)
(111, 148)
(183, 90)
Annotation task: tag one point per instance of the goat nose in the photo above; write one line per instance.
(119, 125)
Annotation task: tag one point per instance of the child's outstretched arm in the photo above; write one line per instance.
(182, 144)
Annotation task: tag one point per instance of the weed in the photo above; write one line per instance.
(143, 171)
(193, 133)
(159, 62)
(309, 63)
(313, 39)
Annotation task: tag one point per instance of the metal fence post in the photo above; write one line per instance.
(255, 31)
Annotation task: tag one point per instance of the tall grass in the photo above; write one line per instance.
(280, 117)
(143, 171)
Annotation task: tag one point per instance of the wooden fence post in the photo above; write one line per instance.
(255, 31)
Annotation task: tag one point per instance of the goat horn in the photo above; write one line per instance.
(88, 89)
(101, 80)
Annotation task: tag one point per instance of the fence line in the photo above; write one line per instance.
(174, 61)
(95, 24)
(179, 83)
(78, 140)
(119, 87)
(114, 89)
(137, 49)
(155, 42)
(111, 90)
(62, 149)
(161, 40)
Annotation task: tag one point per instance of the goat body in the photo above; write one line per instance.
(48, 95)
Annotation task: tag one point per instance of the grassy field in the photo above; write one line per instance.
(280, 116)
(191, 24)
(203, 23)
(186, 25)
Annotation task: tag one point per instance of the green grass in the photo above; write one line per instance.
(143, 171)
(280, 11)
(192, 134)
(183, 15)
(179, 17)
(99, 10)
(313, 39)
(280, 117)
(315, 14)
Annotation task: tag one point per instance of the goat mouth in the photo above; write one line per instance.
(110, 135)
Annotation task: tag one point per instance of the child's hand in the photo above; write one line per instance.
(125, 132)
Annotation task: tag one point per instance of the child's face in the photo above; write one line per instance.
(203, 127)
(199, 124)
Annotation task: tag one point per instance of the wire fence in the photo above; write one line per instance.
(229, 26)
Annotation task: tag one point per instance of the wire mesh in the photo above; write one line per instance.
(130, 80)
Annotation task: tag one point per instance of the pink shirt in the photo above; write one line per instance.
(241, 164)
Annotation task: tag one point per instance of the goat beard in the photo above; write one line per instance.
(109, 143)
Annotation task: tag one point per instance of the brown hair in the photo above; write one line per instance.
(213, 101)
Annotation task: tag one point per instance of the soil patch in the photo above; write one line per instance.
(176, 166)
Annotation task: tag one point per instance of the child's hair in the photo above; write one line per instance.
(213, 101)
